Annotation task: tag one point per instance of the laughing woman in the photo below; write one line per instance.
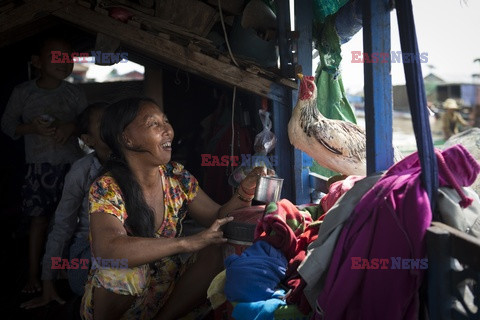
(136, 212)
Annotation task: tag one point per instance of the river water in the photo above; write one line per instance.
(403, 136)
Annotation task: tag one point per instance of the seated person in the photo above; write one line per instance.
(145, 270)
(71, 225)
(452, 119)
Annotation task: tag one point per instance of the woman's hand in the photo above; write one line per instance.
(49, 294)
(248, 185)
(212, 235)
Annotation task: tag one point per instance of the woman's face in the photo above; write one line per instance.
(149, 136)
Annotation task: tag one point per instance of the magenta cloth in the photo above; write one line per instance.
(389, 221)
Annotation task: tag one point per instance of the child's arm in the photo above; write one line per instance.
(11, 120)
(37, 126)
(461, 120)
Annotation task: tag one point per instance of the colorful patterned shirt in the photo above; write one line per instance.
(179, 188)
(151, 283)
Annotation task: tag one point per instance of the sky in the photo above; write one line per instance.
(448, 30)
(99, 73)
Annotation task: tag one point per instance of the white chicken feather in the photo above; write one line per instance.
(334, 144)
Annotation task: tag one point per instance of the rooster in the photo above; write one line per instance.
(334, 144)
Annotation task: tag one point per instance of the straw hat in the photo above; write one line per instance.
(451, 104)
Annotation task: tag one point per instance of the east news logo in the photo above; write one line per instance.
(398, 263)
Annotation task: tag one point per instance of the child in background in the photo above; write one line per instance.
(71, 227)
(43, 112)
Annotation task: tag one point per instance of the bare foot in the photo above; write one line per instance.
(33, 285)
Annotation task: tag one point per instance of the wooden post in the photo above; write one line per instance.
(153, 84)
(439, 280)
(378, 86)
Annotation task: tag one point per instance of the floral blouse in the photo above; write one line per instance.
(179, 188)
(150, 283)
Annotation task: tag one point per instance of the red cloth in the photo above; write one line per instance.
(336, 190)
(288, 229)
(292, 278)
(282, 224)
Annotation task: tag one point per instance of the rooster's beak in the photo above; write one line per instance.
(300, 76)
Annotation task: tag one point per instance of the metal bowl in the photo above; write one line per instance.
(268, 189)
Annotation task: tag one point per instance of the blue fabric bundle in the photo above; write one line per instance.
(254, 275)
(260, 310)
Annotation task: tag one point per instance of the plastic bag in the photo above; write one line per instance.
(264, 143)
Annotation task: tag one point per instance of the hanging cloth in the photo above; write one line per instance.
(332, 101)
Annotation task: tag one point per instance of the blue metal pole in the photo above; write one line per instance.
(281, 109)
(303, 25)
(292, 165)
(378, 86)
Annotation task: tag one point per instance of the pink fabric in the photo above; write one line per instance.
(336, 190)
(390, 221)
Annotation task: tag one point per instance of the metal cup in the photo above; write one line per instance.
(268, 189)
(46, 119)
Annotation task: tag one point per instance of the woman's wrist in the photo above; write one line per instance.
(183, 245)
(243, 197)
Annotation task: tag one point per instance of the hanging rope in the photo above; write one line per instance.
(417, 100)
(225, 33)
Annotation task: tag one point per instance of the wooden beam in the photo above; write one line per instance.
(31, 11)
(378, 86)
(463, 246)
(26, 30)
(169, 52)
(439, 276)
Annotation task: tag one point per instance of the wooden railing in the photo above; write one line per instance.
(453, 274)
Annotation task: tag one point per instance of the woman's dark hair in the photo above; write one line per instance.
(116, 118)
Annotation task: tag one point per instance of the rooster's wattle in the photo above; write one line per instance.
(334, 144)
